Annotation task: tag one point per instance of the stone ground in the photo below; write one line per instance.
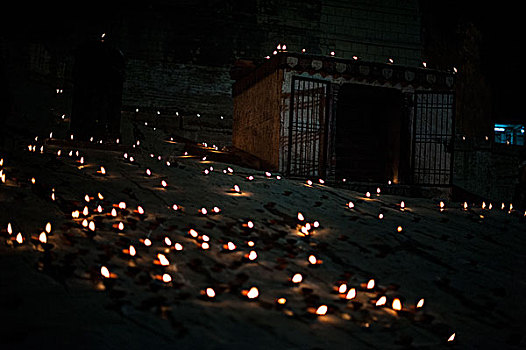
(467, 264)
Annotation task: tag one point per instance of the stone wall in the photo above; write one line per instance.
(486, 169)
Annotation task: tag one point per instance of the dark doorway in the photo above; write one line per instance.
(97, 96)
(368, 133)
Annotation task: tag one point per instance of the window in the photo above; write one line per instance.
(511, 134)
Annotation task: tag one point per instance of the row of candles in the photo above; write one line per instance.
(344, 290)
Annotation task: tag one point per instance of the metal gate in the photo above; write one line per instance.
(304, 143)
(433, 138)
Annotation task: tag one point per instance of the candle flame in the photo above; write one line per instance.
(102, 170)
(167, 278)
(210, 292)
(351, 294)
(322, 310)
(397, 304)
(9, 228)
(368, 194)
(140, 210)
(167, 241)
(381, 301)
(48, 227)
(19, 238)
(402, 205)
(236, 188)
(342, 289)
(42, 238)
(282, 301)
(253, 293)
(105, 272)
(451, 337)
(101, 197)
(193, 233)
(231, 246)
(370, 284)
(420, 303)
(132, 250)
(163, 183)
(297, 278)
(178, 246)
(252, 255)
(313, 260)
(121, 226)
(205, 245)
(301, 217)
(147, 242)
(122, 205)
(86, 198)
(113, 212)
(350, 205)
(91, 225)
(162, 260)
(250, 224)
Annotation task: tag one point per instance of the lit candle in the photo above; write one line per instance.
(322, 310)
(167, 278)
(105, 272)
(297, 278)
(381, 301)
(162, 260)
(351, 294)
(397, 304)
(210, 293)
(252, 293)
(420, 303)
(42, 238)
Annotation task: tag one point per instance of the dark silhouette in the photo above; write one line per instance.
(97, 96)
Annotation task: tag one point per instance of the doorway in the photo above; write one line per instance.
(97, 96)
(370, 134)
